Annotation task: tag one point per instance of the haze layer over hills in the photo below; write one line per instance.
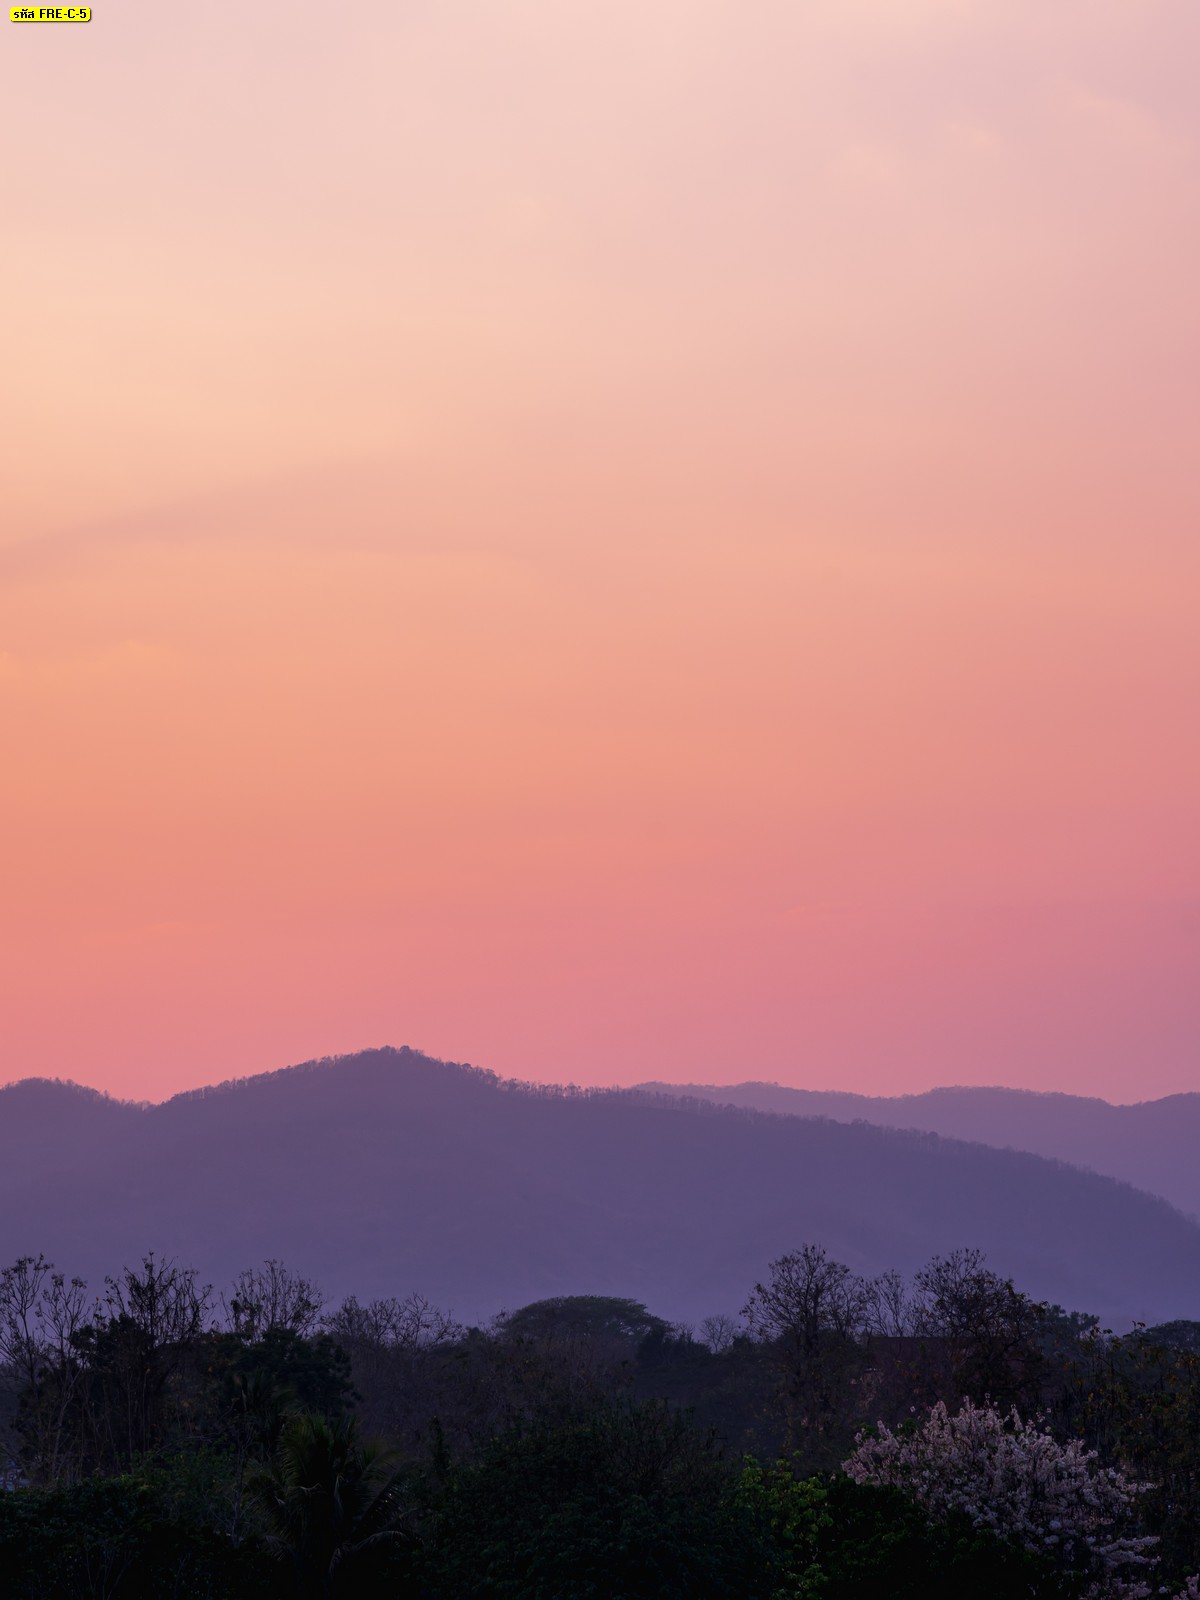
(1152, 1145)
(387, 1171)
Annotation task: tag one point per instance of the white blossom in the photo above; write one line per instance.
(1013, 1477)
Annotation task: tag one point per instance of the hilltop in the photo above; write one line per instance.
(389, 1171)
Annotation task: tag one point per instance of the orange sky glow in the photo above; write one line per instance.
(605, 541)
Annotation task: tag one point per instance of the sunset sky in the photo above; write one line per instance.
(605, 540)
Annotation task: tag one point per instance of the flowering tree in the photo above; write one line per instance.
(1013, 1477)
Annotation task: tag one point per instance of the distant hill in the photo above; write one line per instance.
(1152, 1145)
(388, 1171)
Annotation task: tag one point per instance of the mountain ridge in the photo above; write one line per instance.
(389, 1171)
(1148, 1143)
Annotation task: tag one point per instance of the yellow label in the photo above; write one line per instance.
(50, 14)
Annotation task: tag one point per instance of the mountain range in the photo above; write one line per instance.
(1152, 1144)
(389, 1171)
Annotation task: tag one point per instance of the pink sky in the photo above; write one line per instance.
(606, 541)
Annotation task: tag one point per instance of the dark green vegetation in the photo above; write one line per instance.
(160, 1441)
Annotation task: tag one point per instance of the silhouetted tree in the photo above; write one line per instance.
(806, 1297)
(41, 1314)
(330, 1499)
(991, 1330)
(135, 1347)
(809, 1312)
(271, 1298)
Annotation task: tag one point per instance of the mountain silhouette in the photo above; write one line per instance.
(388, 1171)
(1152, 1144)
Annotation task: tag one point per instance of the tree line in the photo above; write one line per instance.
(839, 1436)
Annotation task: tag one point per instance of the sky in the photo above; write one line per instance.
(604, 540)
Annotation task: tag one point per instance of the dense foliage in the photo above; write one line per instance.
(844, 1438)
